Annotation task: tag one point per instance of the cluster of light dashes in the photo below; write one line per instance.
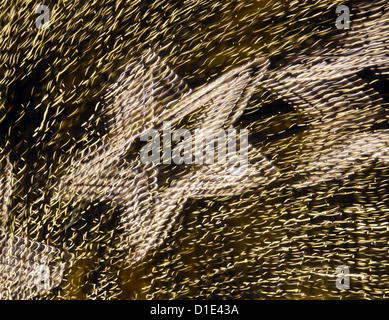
(75, 196)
